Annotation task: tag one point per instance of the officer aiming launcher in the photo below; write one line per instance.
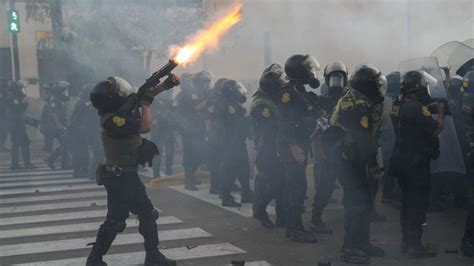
(152, 84)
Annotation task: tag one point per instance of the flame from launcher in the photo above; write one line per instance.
(207, 38)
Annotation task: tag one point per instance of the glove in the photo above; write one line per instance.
(171, 82)
(147, 98)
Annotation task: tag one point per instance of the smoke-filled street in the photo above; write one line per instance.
(237, 132)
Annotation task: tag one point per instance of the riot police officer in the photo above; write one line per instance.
(264, 114)
(124, 150)
(327, 165)
(191, 103)
(163, 132)
(358, 114)
(417, 145)
(4, 83)
(233, 128)
(467, 246)
(58, 119)
(16, 106)
(298, 111)
(212, 137)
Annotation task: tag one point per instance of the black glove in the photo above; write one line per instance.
(147, 98)
(171, 81)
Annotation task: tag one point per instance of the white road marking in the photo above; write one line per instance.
(39, 168)
(54, 206)
(34, 178)
(79, 243)
(133, 258)
(256, 263)
(52, 217)
(53, 197)
(35, 173)
(203, 194)
(47, 182)
(71, 228)
(48, 189)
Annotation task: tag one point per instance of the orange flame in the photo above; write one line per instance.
(207, 38)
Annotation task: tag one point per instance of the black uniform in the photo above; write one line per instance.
(298, 111)
(16, 119)
(233, 128)
(163, 132)
(269, 181)
(193, 131)
(325, 171)
(360, 118)
(57, 117)
(125, 191)
(3, 124)
(213, 142)
(416, 147)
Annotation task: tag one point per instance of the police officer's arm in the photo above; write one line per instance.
(422, 117)
(146, 119)
(362, 127)
(441, 115)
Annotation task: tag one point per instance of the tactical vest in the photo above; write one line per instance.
(119, 151)
(346, 104)
(259, 99)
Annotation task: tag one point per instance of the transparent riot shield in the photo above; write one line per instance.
(461, 60)
(33, 116)
(444, 52)
(451, 158)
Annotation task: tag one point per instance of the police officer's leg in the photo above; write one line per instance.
(15, 149)
(260, 201)
(25, 152)
(324, 190)
(296, 182)
(404, 186)
(418, 200)
(157, 160)
(227, 174)
(243, 173)
(118, 207)
(169, 146)
(214, 164)
(467, 245)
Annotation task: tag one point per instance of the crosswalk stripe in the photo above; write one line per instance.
(79, 243)
(53, 206)
(256, 263)
(48, 189)
(34, 173)
(33, 178)
(48, 182)
(7, 163)
(134, 258)
(52, 217)
(53, 197)
(203, 194)
(59, 229)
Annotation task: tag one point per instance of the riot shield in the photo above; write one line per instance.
(451, 158)
(444, 52)
(460, 60)
(33, 115)
(469, 42)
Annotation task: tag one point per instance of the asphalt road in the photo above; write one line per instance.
(47, 218)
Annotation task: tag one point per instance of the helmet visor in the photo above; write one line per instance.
(124, 89)
(336, 80)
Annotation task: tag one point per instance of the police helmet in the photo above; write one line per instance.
(368, 80)
(60, 89)
(468, 82)
(303, 68)
(218, 85)
(335, 74)
(109, 95)
(17, 88)
(273, 77)
(202, 80)
(418, 82)
(234, 90)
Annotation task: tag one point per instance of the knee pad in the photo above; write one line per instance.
(151, 215)
(115, 225)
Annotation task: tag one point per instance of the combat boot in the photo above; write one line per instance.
(374, 251)
(355, 256)
(301, 235)
(229, 201)
(104, 239)
(247, 196)
(420, 251)
(156, 258)
(318, 226)
(262, 216)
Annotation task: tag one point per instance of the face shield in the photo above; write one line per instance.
(242, 92)
(336, 80)
(382, 84)
(428, 81)
(122, 87)
(278, 72)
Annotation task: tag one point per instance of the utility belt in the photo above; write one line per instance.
(107, 170)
